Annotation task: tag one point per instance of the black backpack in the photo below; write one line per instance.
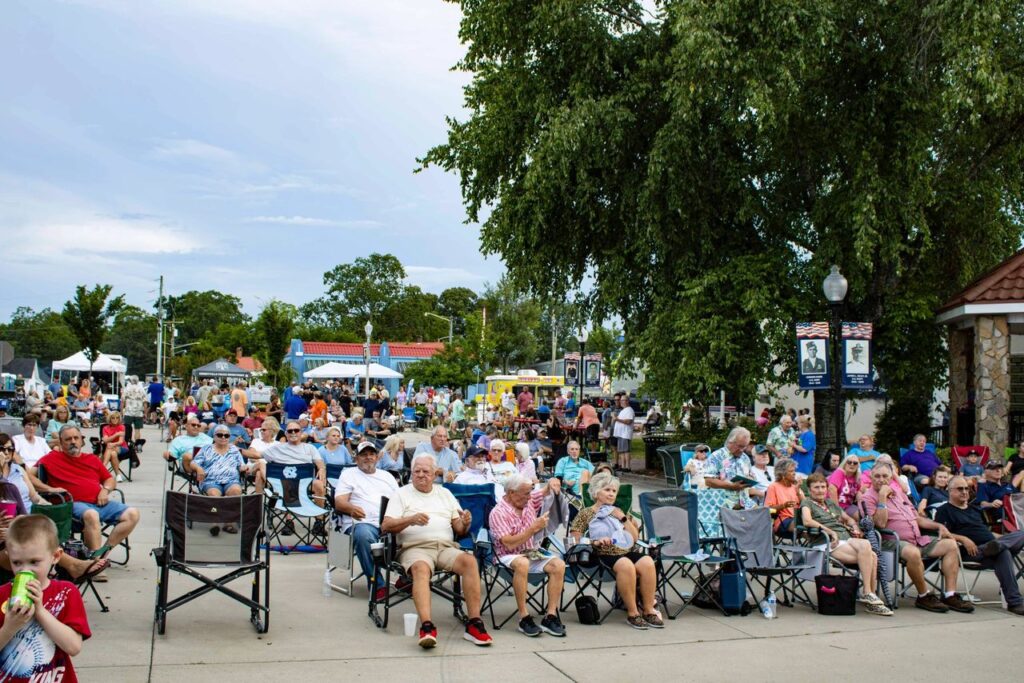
(586, 610)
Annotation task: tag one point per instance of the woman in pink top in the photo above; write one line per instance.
(845, 484)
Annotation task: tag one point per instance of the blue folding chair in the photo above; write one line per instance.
(290, 507)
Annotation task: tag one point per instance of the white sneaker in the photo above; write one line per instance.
(120, 478)
(870, 599)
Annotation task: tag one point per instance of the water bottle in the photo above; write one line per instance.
(766, 611)
(326, 589)
(772, 605)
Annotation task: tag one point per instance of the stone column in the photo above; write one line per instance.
(960, 345)
(992, 382)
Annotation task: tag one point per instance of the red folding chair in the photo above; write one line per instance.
(959, 454)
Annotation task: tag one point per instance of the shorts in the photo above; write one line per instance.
(536, 566)
(623, 445)
(109, 513)
(134, 421)
(925, 550)
(83, 415)
(174, 416)
(222, 487)
(437, 554)
(608, 561)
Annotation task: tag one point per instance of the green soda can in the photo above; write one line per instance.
(19, 589)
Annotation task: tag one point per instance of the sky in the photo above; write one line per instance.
(246, 146)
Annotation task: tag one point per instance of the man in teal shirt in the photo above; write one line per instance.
(183, 445)
(457, 410)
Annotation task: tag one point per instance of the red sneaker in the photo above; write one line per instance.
(382, 595)
(477, 634)
(428, 635)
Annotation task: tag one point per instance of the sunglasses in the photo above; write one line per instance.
(292, 431)
(7, 449)
(961, 488)
(223, 434)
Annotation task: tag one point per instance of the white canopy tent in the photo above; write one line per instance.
(335, 370)
(79, 363)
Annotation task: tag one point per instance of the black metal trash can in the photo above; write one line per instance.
(652, 442)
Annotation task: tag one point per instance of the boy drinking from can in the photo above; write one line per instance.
(38, 635)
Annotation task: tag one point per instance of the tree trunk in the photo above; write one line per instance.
(824, 422)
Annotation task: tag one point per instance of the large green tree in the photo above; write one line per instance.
(88, 315)
(275, 325)
(133, 335)
(195, 313)
(457, 303)
(704, 164)
(512, 320)
(42, 335)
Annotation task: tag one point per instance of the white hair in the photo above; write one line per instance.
(424, 456)
(514, 482)
(523, 451)
(497, 443)
(736, 433)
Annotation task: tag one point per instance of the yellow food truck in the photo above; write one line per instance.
(541, 386)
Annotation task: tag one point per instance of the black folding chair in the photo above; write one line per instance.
(195, 537)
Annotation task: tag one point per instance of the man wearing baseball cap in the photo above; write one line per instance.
(357, 498)
(239, 435)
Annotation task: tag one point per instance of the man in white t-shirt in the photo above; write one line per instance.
(426, 518)
(357, 498)
(622, 434)
(477, 472)
(29, 445)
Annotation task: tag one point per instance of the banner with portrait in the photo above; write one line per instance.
(812, 356)
(857, 370)
(592, 370)
(571, 371)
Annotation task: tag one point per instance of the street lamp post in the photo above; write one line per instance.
(835, 287)
(582, 337)
(451, 325)
(368, 328)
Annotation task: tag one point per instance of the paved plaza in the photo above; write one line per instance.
(316, 638)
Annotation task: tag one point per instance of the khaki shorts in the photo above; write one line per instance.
(438, 555)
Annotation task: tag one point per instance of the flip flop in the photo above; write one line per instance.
(95, 568)
(100, 552)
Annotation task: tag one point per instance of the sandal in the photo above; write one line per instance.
(100, 553)
(95, 568)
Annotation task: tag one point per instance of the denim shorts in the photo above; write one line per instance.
(109, 513)
(207, 486)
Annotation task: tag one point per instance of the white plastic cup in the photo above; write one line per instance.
(410, 623)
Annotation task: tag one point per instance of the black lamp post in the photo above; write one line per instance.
(835, 287)
(582, 337)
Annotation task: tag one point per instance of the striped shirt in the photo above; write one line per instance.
(507, 521)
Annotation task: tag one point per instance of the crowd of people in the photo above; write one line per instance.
(535, 457)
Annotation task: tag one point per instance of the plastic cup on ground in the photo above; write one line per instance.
(410, 623)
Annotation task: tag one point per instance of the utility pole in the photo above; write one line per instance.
(160, 331)
(554, 345)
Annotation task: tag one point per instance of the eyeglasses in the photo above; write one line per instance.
(223, 434)
(292, 431)
(961, 488)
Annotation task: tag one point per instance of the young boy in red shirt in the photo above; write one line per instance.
(38, 640)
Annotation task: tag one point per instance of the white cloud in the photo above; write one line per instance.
(437, 278)
(307, 221)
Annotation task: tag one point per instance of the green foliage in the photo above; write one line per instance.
(512, 317)
(43, 335)
(275, 325)
(704, 165)
(451, 367)
(133, 336)
(457, 303)
(196, 313)
(899, 422)
(87, 316)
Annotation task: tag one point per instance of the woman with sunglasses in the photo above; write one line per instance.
(114, 445)
(217, 467)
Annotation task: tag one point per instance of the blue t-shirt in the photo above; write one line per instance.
(156, 393)
(339, 456)
(990, 493)
(294, 406)
(859, 452)
(805, 461)
(975, 470)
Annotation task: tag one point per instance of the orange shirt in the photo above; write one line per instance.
(317, 410)
(777, 495)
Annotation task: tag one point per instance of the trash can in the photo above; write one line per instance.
(652, 442)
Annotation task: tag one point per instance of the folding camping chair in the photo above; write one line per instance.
(479, 500)
(134, 447)
(181, 479)
(59, 511)
(671, 517)
(194, 538)
(290, 507)
(76, 526)
(959, 455)
(762, 560)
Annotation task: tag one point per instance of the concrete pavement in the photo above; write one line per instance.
(316, 638)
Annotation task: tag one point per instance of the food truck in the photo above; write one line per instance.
(541, 386)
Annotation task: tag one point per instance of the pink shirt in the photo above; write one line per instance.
(902, 514)
(847, 486)
(507, 521)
